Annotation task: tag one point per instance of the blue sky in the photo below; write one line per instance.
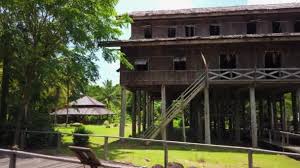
(108, 71)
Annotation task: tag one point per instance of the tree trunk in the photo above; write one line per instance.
(5, 82)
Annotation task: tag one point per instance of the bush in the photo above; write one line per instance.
(106, 124)
(81, 140)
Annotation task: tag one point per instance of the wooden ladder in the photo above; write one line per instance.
(176, 107)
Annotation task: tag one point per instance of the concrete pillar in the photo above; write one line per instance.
(206, 116)
(133, 114)
(123, 113)
(163, 109)
(253, 117)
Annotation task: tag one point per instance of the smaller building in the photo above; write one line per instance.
(78, 109)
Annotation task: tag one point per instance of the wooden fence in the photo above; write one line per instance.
(165, 144)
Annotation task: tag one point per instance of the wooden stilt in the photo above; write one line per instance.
(138, 110)
(237, 127)
(134, 114)
(183, 127)
(298, 107)
(272, 113)
(163, 109)
(253, 117)
(147, 111)
(206, 116)
(294, 111)
(144, 106)
(123, 112)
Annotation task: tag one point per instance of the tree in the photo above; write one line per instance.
(53, 42)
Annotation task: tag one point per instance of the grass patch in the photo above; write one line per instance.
(140, 154)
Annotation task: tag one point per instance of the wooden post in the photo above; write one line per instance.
(123, 112)
(206, 116)
(272, 113)
(133, 114)
(138, 110)
(199, 122)
(144, 106)
(237, 127)
(12, 161)
(183, 127)
(253, 117)
(166, 155)
(163, 109)
(147, 111)
(283, 115)
(105, 148)
(295, 114)
(58, 141)
(250, 158)
(298, 106)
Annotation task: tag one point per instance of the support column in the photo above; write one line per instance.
(284, 114)
(298, 107)
(183, 127)
(138, 110)
(147, 110)
(144, 110)
(133, 114)
(163, 109)
(294, 111)
(206, 116)
(237, 128)
(123, 113)
(253, 117)
(272, 113)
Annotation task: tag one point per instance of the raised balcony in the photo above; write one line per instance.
(224, 76)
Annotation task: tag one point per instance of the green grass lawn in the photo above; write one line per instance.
(140, 154)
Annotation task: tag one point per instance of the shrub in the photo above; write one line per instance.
(106, 124)
(81, 140)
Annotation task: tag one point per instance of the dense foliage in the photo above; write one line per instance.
(47, 51)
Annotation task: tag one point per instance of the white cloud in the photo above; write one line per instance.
(174, 4)
(254, 2)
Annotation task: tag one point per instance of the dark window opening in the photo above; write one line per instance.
(189, 31)
(277, 27)
(227, 62)
(171, 32)
(297, 26)
(141, 65)
(179, 63)
(148, 32)
(272, 60)
(214, 30)
(251, 28)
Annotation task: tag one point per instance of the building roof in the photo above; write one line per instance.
(245, 38)
(87, 101)
(83, 111)
(84, 106)
(216, 11)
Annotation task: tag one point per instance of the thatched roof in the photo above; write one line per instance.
(215, 11)
(84, 106)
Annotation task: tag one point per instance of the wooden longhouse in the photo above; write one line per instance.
(233, 67)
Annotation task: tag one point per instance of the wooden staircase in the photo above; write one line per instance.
(176, 107)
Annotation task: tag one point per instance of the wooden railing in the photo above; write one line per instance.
(259, 74)
(186, 77)
(281, 136)
(250, 151)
